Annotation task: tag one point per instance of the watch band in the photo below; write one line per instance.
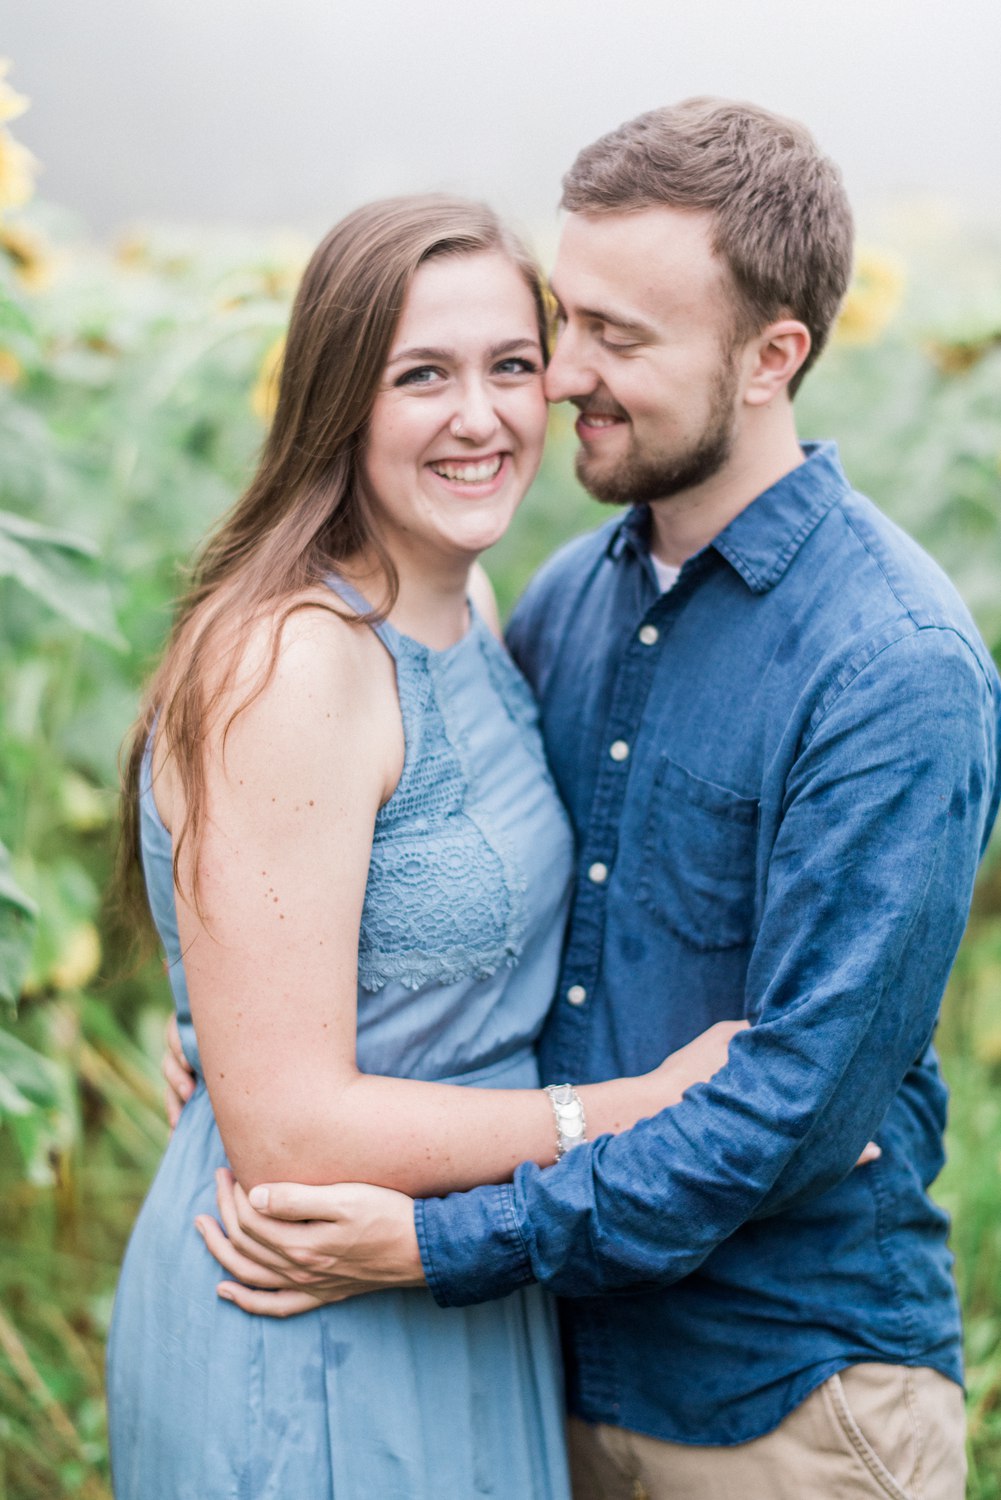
(568, 1109)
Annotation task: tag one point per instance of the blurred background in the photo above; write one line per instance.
(157, 201)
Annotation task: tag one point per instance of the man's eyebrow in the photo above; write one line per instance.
(620, 320)
(445, 355)
(615, 319)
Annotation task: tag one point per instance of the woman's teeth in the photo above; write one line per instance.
(477, 473)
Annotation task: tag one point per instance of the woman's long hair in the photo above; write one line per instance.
(305, 509)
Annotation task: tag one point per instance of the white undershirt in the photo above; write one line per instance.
(667, 576)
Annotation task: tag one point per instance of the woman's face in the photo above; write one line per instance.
(456, 431)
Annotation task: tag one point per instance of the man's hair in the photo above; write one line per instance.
(782, 224)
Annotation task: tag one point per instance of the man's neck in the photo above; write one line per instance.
(683, 524)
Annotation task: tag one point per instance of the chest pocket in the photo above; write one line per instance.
(697, 867)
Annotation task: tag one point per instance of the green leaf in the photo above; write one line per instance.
(56, 567)
(28, 1081)
(17, 924)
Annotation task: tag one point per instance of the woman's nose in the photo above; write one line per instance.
(476, 419)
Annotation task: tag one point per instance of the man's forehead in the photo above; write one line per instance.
(635, 258)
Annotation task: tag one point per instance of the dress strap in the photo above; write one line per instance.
(388, 634)
(402, 646)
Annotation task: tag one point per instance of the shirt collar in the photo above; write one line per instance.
(763, 539)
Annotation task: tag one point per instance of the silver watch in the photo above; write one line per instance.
(571, 1126)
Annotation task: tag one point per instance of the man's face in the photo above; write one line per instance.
(646, 351)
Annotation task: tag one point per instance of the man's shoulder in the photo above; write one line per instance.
(571, 563)
(554, 586)
(911, 574)
(878, 581)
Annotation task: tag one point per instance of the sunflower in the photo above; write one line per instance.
(873, 299)
(28, 254)
(17, 172)
(264, 396)
(12, 104)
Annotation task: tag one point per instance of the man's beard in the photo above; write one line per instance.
(639, 478)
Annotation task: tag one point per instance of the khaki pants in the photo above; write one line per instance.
(872, 1431)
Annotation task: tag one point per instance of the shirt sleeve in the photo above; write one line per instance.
(888, 807)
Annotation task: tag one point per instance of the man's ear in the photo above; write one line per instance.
(778, 352)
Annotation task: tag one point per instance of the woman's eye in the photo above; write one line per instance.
(420, 375)
(517, 366)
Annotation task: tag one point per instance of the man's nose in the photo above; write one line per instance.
(568, 374)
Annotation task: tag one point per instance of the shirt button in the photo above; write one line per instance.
(598, 873)
(576, 994)
(619, 750)
(649, 635)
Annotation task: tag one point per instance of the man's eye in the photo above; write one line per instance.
(420, 375)
(618, 345)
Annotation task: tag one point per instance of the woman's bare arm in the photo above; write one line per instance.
(271, 958)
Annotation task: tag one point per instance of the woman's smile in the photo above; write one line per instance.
(457, 427)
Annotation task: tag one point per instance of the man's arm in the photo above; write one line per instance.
(888, 806)
(868, 890)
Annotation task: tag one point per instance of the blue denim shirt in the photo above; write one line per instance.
(811, 726)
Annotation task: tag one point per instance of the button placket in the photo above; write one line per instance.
(582, 958)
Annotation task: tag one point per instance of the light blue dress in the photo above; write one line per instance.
(388, 1396)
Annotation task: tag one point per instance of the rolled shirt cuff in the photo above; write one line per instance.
(471, 1245)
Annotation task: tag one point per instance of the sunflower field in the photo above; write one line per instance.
(135, 384)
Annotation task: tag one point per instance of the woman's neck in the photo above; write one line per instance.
(430, 607)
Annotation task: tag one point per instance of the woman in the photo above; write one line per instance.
(348, 831)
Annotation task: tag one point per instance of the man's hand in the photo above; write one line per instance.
(179, 1079)
(304, 1246)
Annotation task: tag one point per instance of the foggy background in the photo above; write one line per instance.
(260, 113)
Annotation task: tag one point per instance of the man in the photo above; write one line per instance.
(775, 728)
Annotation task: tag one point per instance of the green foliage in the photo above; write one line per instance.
(17, 917)
(127, 427)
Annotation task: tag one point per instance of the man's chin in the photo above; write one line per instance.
(600, 483)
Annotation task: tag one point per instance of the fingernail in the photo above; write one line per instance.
(200, 1227)
(225, 1293)
(259, 1197)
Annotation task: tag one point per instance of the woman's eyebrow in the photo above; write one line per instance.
(422, 353)
(446, 355)
(510, 345)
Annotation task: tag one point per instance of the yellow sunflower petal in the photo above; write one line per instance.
(264, 396)
(874, 298)
(17, 172)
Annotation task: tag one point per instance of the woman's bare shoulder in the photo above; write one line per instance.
(303, 680)
(310, 647)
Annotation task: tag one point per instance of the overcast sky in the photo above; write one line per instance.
(292, 111)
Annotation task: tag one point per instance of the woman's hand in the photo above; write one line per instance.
(177, 1072)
